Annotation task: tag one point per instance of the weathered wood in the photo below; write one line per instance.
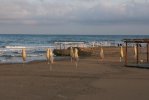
(126, 57)
(136, 40)
(147, 52)
(137, 53)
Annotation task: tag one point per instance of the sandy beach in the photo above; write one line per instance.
(108, 41)
(107, 80)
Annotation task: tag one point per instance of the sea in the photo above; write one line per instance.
(11, 44)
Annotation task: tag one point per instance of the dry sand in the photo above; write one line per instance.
(92, 80)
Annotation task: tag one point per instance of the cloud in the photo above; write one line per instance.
(80, 10)
(120, 12)
(73, 12)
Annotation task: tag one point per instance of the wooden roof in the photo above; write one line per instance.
(136, 40)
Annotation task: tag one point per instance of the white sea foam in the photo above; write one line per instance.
(15, 47)
(27, 47)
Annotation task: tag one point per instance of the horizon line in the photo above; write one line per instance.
(65, 34)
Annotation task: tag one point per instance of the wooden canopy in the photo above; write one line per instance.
(137, 41)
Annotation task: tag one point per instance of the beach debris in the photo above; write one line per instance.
(24, 55)
(50, 57)
(121, 53)
(101, 53)
(76, 57)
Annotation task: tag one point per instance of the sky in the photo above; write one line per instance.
(74, 17)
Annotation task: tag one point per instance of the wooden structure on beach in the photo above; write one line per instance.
(138, 43)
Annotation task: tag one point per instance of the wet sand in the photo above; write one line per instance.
(92, 80)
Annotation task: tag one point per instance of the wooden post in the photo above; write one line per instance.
(137, 53)
(60, 46)
(126, 58)
(64, 46)
(147, 52)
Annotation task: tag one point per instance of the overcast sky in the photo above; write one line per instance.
(74, 17)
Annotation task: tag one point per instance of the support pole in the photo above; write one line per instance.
(64, 46)
(126, 58)
(147, 52)
(137, 53)
(60, 46)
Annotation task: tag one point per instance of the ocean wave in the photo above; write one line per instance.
(15, 47)
(27, 47)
